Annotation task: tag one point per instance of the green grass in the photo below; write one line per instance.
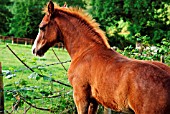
(23, 81)
(20, 84)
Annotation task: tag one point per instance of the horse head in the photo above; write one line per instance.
(49, 32)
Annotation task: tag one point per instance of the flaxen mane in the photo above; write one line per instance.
(84, 17)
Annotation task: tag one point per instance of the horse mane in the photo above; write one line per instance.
(84, 17)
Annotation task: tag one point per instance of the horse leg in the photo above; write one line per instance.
(93, 107)
(81, 98)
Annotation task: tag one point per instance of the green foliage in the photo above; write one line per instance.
(76, 3)
(41, 92)
(149, 52)
(5, 15)
(26, 17)
(125, 21)
(143, 18)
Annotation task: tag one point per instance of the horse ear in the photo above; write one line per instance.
(65, 5)
(50, 7)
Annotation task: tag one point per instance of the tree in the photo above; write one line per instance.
(78, 3)
(144, 19)
(5, 15)
(26, 17)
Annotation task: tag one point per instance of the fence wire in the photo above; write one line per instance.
(19, 96)
(42, 66)
(43, 76)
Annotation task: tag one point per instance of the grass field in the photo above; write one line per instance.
(31, 86)
(24, 80)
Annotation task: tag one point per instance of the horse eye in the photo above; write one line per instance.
(42, 28)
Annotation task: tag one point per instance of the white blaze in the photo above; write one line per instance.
(35, 42)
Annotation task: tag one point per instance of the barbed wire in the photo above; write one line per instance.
(43, 76)
(15, 93)
(59, 60)
(20, 97)
(42, 66)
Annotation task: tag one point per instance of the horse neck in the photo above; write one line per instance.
(78, 36)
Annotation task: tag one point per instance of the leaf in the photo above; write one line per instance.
(6, 85)
(10, 76)
(47, 78)
(6, 72)
(34, 75)
(45, 93)
(37, 77)
(22, 82)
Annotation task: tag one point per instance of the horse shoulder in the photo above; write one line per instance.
(78, 70)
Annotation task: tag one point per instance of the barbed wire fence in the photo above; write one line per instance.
(20, 98)
(63, 93)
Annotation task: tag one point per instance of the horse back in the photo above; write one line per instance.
(161, 65)
(130, 83)
(121, 83)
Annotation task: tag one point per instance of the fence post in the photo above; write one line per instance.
(1, 92)
(12, 40)
(25, 42)
(162, 59)
(107, 110)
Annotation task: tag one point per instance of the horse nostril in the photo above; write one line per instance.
(33, 51)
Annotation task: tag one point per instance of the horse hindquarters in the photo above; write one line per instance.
(150, 91)
(160, 65)
(157, 109)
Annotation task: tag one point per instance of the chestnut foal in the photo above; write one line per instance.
(99, 74)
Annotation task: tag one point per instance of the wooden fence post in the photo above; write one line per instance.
(25, 42)
(162, 59)
(107, 110)
(1, 92)
(12, 40)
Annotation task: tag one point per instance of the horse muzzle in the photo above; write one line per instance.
(39, 52)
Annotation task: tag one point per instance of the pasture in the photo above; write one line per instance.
(138, 86)
(36, 90)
